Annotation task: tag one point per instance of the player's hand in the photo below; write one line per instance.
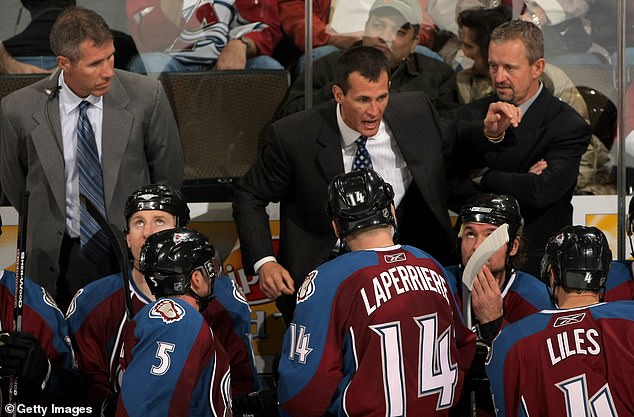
(233, 56)
(538, 167)
(500, 117)
(486, 296)
(275, 280)
(21, 355)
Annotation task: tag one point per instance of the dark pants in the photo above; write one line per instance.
(76, 271)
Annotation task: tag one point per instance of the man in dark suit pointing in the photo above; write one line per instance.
(305, 151)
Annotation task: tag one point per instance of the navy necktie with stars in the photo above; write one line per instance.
(362, 158)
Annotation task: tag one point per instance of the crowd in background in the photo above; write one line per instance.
(501, 129)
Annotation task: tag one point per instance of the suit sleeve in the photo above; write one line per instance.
(266, 181)
(562, 155)
(163, 148)
(13, 161)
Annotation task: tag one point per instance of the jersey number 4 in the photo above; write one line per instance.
(437, 374)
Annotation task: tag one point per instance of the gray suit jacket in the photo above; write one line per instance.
(140, 144)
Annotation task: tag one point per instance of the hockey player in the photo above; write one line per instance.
(40, 355)
(575, 360)
(377, 331)
(500, 291)
(172, 363)
(97, 314)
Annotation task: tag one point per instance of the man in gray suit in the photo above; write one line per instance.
(306, 150)
(133, 137)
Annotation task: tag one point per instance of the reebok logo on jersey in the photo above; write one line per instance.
(308, 287)
(167, 310)
(571, 319)
(396, 257)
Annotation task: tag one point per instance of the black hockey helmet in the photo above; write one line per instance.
(495, 209)
(169, 257)
(580, 256)
(158, 197)
(360, 199)
(629, 224)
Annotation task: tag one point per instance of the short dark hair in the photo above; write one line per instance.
(75, 25)
(481, 22)
(527, 32)
(370, 62)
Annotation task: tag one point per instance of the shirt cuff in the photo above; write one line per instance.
(258, 264)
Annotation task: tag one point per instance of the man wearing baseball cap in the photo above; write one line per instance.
(393, 27)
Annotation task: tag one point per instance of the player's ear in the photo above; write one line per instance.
(335, 229)
(197, 280)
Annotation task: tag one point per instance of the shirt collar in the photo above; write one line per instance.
(526, 105)
(69, 100)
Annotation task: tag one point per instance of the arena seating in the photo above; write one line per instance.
(221, 116)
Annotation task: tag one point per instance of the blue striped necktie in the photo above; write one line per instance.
(362, 158)
(94, 242)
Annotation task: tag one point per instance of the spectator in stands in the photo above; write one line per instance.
(475, 83)
(97, 314)
(392, 27)
(29, 52)
(339, 25)
(541, 169)
(567, 38)
(86, 118)
(304, 151)
(174, 35)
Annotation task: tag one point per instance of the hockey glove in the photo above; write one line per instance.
(21, 355)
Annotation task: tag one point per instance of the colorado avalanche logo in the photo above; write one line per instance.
(308, 287)
(148, 196)
(559, 239)
(167, 310)
(179, 237)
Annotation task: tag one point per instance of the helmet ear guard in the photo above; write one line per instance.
(629, 226)
(359, 200)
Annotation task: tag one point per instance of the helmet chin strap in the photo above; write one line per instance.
(203, 302)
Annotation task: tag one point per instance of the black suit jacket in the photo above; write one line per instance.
(302, 155)
(551, 130)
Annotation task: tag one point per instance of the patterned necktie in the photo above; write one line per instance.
(94, 242)
(362, 158)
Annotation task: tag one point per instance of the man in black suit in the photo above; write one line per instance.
(539, 161)
(306, 150)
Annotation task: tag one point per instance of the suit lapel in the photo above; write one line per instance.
(329, 157)
(116, 128)
(47, 140)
